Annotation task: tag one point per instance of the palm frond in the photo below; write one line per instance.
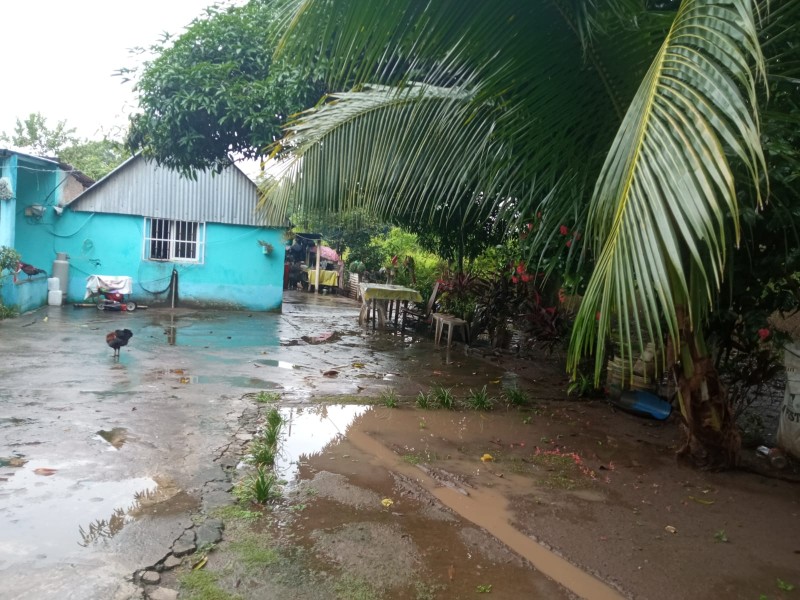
(666, 195)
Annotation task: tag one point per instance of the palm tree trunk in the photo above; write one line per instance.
(712, 438)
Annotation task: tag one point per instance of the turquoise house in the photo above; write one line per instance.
(32, 188)
(148, 223)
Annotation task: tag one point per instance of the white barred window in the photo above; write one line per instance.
(180, 241)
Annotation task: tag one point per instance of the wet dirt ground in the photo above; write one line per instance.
(106, 464)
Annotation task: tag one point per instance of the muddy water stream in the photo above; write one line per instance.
(488, 509)
(372, 431)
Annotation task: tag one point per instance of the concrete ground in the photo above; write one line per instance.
(103, 460)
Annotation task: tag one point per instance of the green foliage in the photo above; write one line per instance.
(94, 158)
(216, 90)
(350, 587)
(262, 452)
(389, 398)
(479, 399)
(202, 585)
(515, 396)
(34, 135)
(721, 536)
(423, 401)
(267, 397)
(9, 259)
(274, 419)
(255, 551)
(785, 586)
(414, 267)
(261, 487)
(235, 512)
(443, 398)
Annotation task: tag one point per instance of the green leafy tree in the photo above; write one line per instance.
(34, 135)
(639, 129)
(216, 91)
(95, 158)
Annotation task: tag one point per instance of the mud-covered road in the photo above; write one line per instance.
(105, 463)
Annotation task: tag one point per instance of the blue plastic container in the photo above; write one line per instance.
(643, 404)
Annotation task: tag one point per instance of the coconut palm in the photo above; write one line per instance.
(635, 126)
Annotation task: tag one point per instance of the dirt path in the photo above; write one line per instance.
(563, 509)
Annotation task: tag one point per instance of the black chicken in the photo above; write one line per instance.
(30, 270)
(119, 338)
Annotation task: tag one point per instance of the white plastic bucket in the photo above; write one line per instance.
(53, 283)
(54, 297)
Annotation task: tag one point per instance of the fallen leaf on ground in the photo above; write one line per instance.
(670, 529)
(358, 365)
(701, 500)
(331, 373)
(45, 471)
(487, 458)
(200, 563)
(387, 502)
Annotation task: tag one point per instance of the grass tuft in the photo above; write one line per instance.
(515, 396)
(389, 398)
(202, 585)
(479, 400)
(443, 397)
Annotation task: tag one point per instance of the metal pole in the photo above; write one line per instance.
(319, 244)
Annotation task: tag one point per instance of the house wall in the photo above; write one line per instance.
(70, 189)
(8, 208)
(235, 274)
(36, 183)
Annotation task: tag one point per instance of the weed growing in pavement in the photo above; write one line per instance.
(721, 536)
(479, 400)
(267, 397)
(262, 452)
(272, 433)
(515, 396)
(785, 586)
(202, 585)
(443, 398)
(235, 512)
(254, 551)
(423, 401)
(412, 459)
(484, 589)
(274, 419)
(7, 312)
(389, 398)
(261, 487)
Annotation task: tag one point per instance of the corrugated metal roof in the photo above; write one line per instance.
(138, 187)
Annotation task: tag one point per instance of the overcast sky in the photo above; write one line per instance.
(59, 56)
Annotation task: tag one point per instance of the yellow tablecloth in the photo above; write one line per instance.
(330, 278)
(385, 291)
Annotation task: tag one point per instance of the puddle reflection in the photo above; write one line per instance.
(307, 430)
(43, 517)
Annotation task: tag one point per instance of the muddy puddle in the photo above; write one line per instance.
(397, 463)
(87, 511)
